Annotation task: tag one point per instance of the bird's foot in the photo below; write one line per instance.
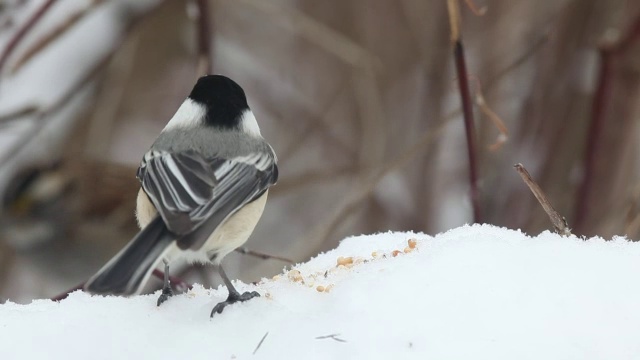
(234, 297)
(167, 292)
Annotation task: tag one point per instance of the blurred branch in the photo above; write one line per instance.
(316, 125)
(19, 35)
(320, 34)
(363, 189)
(42, 112)
(542, 40)
(292, 183)
(205, 37)
(609, 52)
(467, 106)
(53, 34)
(495, 119)
(559, 222)
(17, 114)
(475, 9)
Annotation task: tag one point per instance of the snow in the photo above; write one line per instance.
(474, 292)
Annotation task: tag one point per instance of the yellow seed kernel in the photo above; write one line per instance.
(295, 275)
(345, 260)
(320, 288)
(395, 253)
(412, 243)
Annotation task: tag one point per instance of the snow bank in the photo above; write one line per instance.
(475, 292)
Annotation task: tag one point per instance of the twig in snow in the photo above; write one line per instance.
(467, 105)
(331, 336)
(260, 343)
(559, 222)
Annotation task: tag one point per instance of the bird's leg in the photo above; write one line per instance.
(234, 295)
(166, 288)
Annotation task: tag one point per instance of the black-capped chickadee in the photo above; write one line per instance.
(204, 185)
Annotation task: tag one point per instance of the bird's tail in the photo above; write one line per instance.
(127, 272)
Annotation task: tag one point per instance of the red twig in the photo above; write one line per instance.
(65, 294)
(467, 105)
(467, 110)
(180, 285)
(608, 55)
(28, 25)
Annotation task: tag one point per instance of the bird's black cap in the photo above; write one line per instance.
(224, 99)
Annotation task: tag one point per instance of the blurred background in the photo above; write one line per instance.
(359, 99)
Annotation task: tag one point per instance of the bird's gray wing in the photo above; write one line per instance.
(189, 190)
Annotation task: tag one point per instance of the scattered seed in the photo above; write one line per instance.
(412, 243)
(295, 275)
(345, 260)
(320, 288)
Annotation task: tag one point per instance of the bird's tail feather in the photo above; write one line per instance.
(125, 273)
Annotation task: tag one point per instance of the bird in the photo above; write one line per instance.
(204, 185)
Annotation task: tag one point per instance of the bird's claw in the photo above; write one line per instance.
(167, 292)
(234, 298)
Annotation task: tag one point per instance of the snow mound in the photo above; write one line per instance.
(475, 292)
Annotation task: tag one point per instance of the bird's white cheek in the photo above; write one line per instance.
(189, 115)
(249, 124)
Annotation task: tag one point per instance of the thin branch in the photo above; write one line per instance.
(245, 251)
(19, 35)
(467, 106)
(559, 222)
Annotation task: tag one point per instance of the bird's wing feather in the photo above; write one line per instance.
(188, 189)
